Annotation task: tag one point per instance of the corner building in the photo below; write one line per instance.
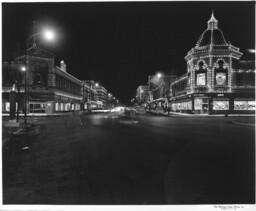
(217, 81)
(50, 89)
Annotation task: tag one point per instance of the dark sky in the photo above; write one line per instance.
(119, 44)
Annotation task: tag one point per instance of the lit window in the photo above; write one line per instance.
(251, 105)
(244, 105)
(220, 105)
(189, 105)
(221, 79)
(198, 104)
(7, 106)
(201, 80)
(56, 106)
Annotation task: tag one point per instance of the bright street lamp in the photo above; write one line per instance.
(159, 75)
(24, 69)
(49, 35)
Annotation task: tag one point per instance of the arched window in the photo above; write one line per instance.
(220, 74)
(201, 75)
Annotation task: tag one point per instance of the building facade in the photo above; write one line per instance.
(102, 95)
(142, 95)
(159, 90)
(217, 81)
(50, 89)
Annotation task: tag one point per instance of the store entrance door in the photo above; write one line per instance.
(205, 106)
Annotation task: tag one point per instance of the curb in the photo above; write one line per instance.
(203, 115)
(244, 124)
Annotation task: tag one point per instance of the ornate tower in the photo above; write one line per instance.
(209, 63)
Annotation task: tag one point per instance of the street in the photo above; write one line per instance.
(159, 160)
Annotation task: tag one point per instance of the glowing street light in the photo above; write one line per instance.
(96, 84)
(159, 75)
(49, 35)
(24, 69)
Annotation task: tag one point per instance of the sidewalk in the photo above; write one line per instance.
(201, 115)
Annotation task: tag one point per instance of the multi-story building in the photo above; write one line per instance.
(102, 95)
(50, 89)
(142, 94)
(91, 94)
(217, 81)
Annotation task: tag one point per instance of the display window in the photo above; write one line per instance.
(198, 104)
(220, 105)
(240, 105)
(7, 106)
(189, 105)
(66, 106)
(251, 105)
(56, 106)
(221, 79)
(244, 105)
(201, 79)
(37, 108)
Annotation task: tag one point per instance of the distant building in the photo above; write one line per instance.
(91, 94)
(159, 89)
(142, 94)
(217, 81)
(102, 95)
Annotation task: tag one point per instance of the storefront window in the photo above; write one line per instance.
(221, 79)
(220, 105)
(7, 106)
(201, 79)
(244, 105)
(251, 105)
(66, 106)
(198, 104)
(189, 105)
(61, 106)
(56, 106)
(240, 105)
(37, 108)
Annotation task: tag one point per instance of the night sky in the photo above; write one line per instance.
(119, 44)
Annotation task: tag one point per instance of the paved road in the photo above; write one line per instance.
(160, 160)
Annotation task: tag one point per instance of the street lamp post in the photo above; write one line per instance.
(24, 69)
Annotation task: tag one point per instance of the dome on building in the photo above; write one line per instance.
(212, 35)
